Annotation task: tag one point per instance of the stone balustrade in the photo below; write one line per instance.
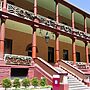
(17, 59)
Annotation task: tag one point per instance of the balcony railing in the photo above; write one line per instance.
(17, 59)
(19, 12)
(25, 14)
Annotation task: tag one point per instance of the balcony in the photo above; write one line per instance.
(45, 22)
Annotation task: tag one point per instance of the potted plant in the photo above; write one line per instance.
(26, 82)
(6, 83)
(35, 82)
(16, 83)
(43, 81)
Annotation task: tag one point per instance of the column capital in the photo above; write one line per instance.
(86, 43)
(74, 38)
(72, 10)
(56, 1)
(57, 34)
(84, 16)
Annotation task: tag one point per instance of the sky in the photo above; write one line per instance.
(82, 4)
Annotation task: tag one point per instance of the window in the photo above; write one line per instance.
(65, 54)
(50, 54)
(78, 56)
(89, 57)
(8, 46)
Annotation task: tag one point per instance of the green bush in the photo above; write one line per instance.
(25, 82)
(16, 83)
(43, 81)
(6, 83)
(35, 81)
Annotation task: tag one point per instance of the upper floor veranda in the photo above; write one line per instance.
(57, 16)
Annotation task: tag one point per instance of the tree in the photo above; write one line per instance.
(25, 82)
(6, 83)
(16, 83)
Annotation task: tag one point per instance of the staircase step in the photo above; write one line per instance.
(74, 83)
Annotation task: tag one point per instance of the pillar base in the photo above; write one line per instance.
(56, 65)
(74, 65)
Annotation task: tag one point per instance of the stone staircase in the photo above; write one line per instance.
(74, 83)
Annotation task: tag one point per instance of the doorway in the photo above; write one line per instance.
(78, 56)
(50, 54)
(65, 54)
(19, 72)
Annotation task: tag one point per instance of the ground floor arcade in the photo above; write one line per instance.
(18, 40)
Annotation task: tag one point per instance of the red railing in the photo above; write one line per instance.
(49, 68)
(74, 70)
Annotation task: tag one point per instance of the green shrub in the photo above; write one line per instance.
(25, 82)
(6, 83)
(16, 83)
(35, 81)
(43, 81)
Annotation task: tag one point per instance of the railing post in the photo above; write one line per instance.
(57, 50)
(4, 6)
(85, 24)
(86, 53)
(74, 50)
(57, 36)
(56, 82)
(72, 19)
(35, 7)
(2, 37)
(34, 43)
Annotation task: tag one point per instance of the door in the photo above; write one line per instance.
(65, 54)
(89, 57)
(50, 54)
(78, 56)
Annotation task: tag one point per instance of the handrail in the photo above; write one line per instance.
(55, 71)
(74, 70)
(44, 73)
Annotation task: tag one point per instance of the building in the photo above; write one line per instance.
(50, 29)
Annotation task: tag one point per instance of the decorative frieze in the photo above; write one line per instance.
(47, 21)
(17, 59)
(17, 11)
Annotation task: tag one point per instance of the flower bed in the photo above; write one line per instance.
(26, 84)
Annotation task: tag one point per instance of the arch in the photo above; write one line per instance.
(29, 49)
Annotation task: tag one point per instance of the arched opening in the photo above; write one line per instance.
(29, 49)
